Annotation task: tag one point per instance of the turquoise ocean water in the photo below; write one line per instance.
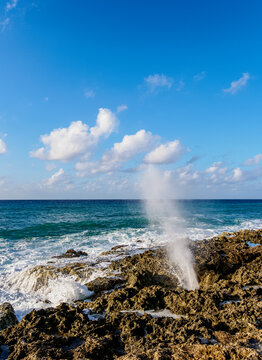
(32, 232)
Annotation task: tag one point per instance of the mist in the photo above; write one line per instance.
(160, 206)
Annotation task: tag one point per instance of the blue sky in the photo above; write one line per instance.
(118, 86)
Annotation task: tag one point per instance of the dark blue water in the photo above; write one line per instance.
(21, 220)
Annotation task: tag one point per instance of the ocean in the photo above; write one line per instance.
(33, 232)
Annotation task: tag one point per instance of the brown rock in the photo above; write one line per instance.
(71, 253)
(7, 316)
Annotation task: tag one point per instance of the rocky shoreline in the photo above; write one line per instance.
(139, 310)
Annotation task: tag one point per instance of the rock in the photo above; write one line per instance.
(117, 247)
(221, 320)
(7, 316)
(71, 253)
(114, 250)
(102, 284)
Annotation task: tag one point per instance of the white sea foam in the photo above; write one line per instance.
(154, 313)
(64, 289)
(26, 290)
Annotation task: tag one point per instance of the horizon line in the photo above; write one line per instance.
(136, 199)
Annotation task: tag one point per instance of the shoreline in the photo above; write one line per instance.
(222, 318)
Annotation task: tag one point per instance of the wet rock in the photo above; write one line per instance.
(117, 247)
(71, 253)
(102, 284)
(33, 279)
(7, 316)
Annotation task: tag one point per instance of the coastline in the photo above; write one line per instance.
(139, 310)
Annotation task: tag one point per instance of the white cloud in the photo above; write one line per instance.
(200, 76)
(50, 166)
(3, 147)
(186, 174)
(11, 5)
(4, 23)
(237, 174)
(132, 145)
(106, 123)
(55, 178)
(216, 167)
(121, 108)
(157, 80)
(59, 180)
(254, 160)
(237, 85)
(112, 159)
(89, 93)
(65, 144)
(165, 154)
(216, 174)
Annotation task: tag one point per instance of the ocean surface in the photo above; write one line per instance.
(33, 232)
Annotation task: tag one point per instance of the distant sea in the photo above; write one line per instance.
(32, 232)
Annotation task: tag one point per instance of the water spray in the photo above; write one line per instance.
(157, 192)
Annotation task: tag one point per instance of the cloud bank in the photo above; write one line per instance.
(120, 153)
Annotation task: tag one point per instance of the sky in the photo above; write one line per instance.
(94, 92)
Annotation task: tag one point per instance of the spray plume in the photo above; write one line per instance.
(157, 191)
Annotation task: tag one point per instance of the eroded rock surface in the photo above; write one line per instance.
(71, 253)
(220, 320)
(7, 316)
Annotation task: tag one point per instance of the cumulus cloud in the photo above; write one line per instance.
(112, 159)
(199, 76)
(237, 85)
(165, 153)
(2, 147)
(158, 80)
(254, 160)
(65, 144)
(106, 123)
(131, 145)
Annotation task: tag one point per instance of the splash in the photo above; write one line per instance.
(157, 192)
(39, 287)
